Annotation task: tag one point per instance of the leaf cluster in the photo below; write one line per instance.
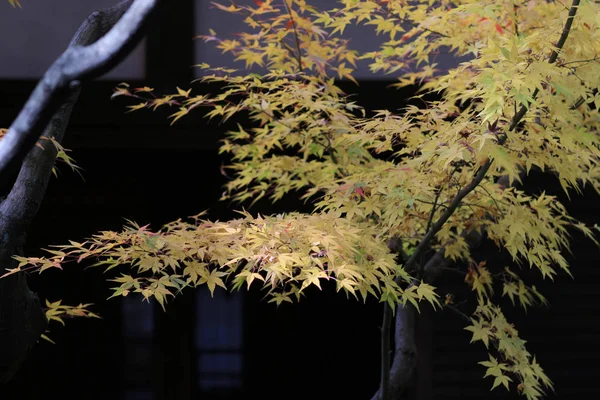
(286, 254)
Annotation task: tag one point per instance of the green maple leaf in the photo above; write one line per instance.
(480, 332)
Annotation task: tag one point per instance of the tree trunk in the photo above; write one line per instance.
(423, 385)
(22, 318)
(405, 353)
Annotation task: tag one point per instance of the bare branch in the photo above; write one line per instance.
(27, 193)
(77, 63)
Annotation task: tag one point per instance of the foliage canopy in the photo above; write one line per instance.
(524, 95)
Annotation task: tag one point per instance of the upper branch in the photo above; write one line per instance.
(77, 63)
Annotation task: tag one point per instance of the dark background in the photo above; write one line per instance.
(138, 167)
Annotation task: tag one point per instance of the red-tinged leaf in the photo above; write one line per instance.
(483, 19)
(360, 191)
(499, 28)
(259, 3)
(120, 92)
(344, 187)
(223, 172)
(231, 8)
(289, 24)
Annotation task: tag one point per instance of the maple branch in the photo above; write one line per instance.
(589, 60)
(486, 166)
(435, 264)
(410, 263)
(27, 193)
(579, 102)
(565, 32)
(559, 45)
(516, 15)
(78, 63)
(433, 209)
(458, 312)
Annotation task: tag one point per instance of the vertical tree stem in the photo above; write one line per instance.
(385, 352)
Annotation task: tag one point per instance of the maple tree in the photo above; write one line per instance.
(396, 195)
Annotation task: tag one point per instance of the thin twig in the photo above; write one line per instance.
(433, 209)
(457, 311)
(589, 60)
(493, 199)
(298, 53)
(515, 8)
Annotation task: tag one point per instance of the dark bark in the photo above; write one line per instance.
(405, 353)
(81, 61)
(100, 43)
(423, 383)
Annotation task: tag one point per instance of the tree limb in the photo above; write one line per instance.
(78, 63)
(25, 197)
(435, 265)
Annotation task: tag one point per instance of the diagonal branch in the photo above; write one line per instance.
(434, 266)
(484, 169)
(26, 195)
(79, 62)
